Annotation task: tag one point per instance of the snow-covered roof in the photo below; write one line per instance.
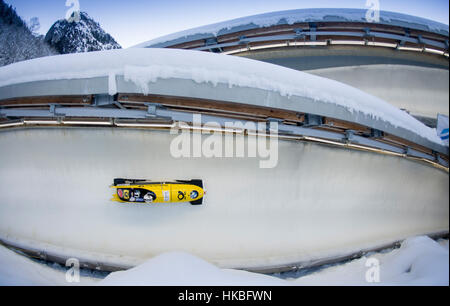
(292, 17)
(206, 76)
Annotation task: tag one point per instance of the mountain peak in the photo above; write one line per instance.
(86, 35)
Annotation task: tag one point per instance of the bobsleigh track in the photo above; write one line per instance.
(319, 202)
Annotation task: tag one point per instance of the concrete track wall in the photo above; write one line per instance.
(416, 81)
(422, 91)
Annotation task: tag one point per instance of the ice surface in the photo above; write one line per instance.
(297, 16)
(315, 213)
(145, 66)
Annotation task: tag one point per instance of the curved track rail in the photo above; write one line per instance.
(320, 34)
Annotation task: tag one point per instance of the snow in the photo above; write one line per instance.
(83, 36)
(17, 43)
(183, 269)
(17, 270)
(419, 261)
(112, 84)
(145, 66)
(295, 16)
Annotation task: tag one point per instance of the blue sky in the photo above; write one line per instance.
(134, 21)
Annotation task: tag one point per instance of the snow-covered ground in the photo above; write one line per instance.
(419, 261)
(18, 270)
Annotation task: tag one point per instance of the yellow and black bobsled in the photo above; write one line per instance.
(145, 191)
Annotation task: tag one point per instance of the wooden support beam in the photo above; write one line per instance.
(38, 101)
(344, 125)
(214, 106)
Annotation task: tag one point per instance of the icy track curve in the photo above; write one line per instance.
(319, 201)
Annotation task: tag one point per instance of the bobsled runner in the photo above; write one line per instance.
(145, 191)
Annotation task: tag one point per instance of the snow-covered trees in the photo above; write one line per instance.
(21, 41)
(17, 41)
(34, 25)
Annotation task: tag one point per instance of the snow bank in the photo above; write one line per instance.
(145, 66)
(182, 269)
(296, 16)
(17, 270)
(419, 261)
